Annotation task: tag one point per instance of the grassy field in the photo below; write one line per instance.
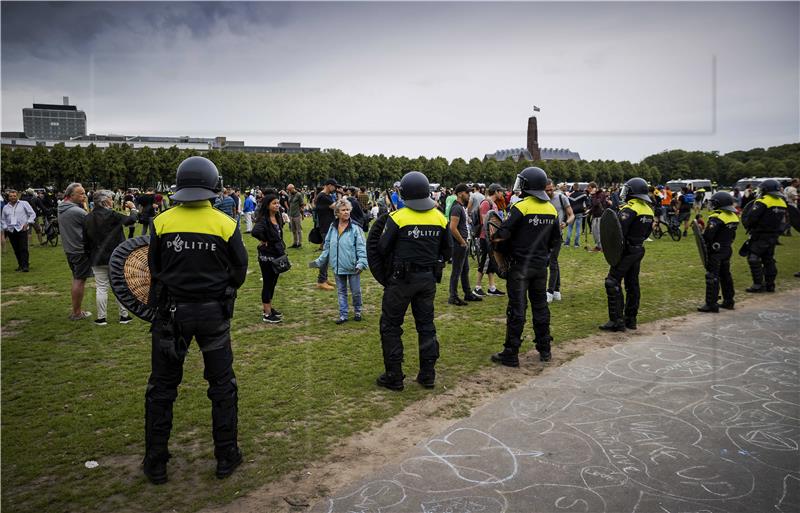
(73, 391)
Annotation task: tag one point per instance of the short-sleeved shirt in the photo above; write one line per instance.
(458, 210)
(477, 199)
(560, 202)
(485, 207)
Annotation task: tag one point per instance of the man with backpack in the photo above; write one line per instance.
(486, 264)
(685, 204)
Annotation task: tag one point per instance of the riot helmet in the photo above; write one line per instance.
(415, 191)
(197, 179)
(770, 187)
(635, 188)
(722, 201)
(532, 181)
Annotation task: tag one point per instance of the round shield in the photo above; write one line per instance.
(129, 274)
(497, 248)
(794, 217)
(379, 265)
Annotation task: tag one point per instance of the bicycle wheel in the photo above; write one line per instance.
(675, 233)
(658, 232)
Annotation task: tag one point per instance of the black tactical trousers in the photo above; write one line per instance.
(460, 271)
(524, 284)
(554, 282)
(718, 274)
(626, 270)
(418, 290)
(761, 260)
(207, 323)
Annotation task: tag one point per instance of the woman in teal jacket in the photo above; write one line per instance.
(345, 251)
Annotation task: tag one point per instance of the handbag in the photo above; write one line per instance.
(279, 264)
(314, 237)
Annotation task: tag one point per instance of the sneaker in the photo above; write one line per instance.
(357, 317)
(457, 301)
(496, 292)
(228, 461)
(341, 320)
(549, 297)
(478, 291)
(271, 318)
(100, 322)
(82, 316)
(124, 319)
(556, 296)
(472, 297)
(277, 314)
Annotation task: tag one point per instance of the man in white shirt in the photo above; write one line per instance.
(17, 216)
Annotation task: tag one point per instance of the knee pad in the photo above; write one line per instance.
(753, 259)
(612, 284)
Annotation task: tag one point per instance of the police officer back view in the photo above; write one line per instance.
(636, 219)
(764, 220)
(718, 236)
(416, 236)
(527, 237)
(197, 261)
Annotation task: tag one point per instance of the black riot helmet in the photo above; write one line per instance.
(771, 187)
(416, 192)
(197, 179)
(532, 181)
(722, 201)
(635, 188)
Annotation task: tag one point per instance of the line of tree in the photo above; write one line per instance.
(121, 166)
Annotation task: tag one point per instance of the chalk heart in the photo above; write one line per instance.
(602, 477)
(474, 456)
(374, 497)
(715, 414)
(735, 395)
(464, 505)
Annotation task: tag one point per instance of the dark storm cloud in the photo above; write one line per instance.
(54, 30)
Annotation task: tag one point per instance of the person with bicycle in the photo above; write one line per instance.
(458, 228)
(685, 205)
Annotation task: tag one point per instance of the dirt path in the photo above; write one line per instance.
(367, 452)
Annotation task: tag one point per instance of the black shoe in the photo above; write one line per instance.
(357, 317)
(684, 233)
(755, 289)
(100, 322)
(277, 314)
(271, 318)
(507, 359)
(391, 381)
(426, 378)
(124, 319)
(767, 288)
(495, 292)
(18, 269)
(545, 356)
(708, 308)
(341, 320)
(472, 297)
(612, 326)
(228, 461)
(630, 323)
(155, 467)
(25, 270)
(457, 301)
(727, 306)
(797, 275)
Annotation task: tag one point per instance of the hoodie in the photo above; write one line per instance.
(70, 223)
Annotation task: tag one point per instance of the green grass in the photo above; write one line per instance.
(73, 392)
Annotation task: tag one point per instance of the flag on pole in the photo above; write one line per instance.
(536, 109)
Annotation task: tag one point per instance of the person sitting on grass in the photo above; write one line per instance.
(345, 250)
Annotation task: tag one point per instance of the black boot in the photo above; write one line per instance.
(507, 357)
(769, 287)
(427, 374)
(543, 347)
(613, 326)
(755, 289)
(707, 308)
(630, 323)
(154, 465)
(727, 305)
(228, 458)
(392, 378)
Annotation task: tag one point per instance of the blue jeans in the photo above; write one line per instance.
(577, 223)
(341, 290)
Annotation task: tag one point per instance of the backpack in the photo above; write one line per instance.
(475, 219)
(688, 198)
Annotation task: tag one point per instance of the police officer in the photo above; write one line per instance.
(636, 218)
(197, 261)
(416, 236)
(764, 221)
(719, 234)
(528, 237)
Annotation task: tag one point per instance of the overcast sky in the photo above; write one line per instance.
(613, 80)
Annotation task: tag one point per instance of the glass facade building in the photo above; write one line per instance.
(53, 122)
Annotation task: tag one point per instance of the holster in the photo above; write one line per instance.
(400, 271)
(228, 302)
(170, 340)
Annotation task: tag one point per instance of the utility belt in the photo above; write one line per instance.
(402, 270)
(169, 304)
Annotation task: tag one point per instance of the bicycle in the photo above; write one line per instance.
(472, 244)
(51, 230)
(673, 228)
